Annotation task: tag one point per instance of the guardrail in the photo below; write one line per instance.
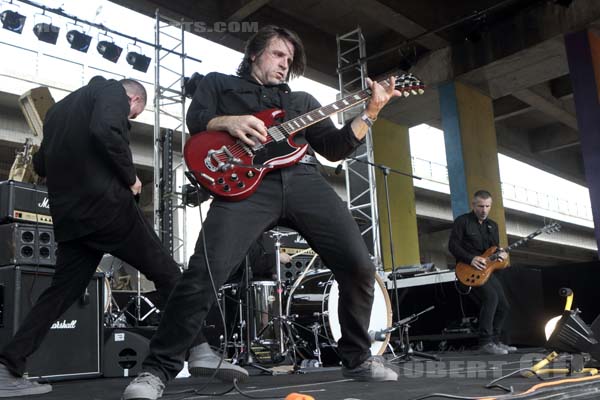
(438, 173)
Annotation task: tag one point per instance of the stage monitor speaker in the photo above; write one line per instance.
(124, 352)
(72, 347)
(27, 244)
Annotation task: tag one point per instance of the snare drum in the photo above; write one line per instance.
(314, 307)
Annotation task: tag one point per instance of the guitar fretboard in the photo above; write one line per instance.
(283, 131)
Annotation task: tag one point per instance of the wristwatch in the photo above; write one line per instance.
(365, 118)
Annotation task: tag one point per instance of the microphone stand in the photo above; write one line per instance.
(386, 172)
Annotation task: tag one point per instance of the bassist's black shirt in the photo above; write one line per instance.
(469, 238)
(224, 95)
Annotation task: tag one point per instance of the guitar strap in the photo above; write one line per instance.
(285, 95)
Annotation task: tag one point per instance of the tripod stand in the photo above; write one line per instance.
(386, 172)
(407, 351)
(115, 319)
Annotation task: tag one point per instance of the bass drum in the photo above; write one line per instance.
(313, 305)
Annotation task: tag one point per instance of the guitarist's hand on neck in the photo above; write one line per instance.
(380, 96)
(478, 262)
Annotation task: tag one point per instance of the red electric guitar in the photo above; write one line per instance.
(232, 170)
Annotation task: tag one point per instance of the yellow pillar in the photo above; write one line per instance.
(471, 149)
(391, 147)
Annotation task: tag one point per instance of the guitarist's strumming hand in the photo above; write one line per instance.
(478, 262)
(247, 128)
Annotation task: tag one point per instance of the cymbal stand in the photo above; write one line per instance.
(137, 300)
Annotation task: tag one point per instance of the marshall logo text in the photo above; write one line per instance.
(44, 204)
(64, 324)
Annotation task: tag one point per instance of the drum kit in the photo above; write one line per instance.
(295, 320)
(294, 317)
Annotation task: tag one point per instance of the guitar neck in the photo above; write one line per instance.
(286, 129)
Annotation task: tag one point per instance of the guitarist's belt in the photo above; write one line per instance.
(309, 159)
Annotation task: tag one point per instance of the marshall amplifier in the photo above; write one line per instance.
(27, 244)
(73, 347)
(24, 202)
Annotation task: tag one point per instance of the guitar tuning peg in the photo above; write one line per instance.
(413, 92)
(406, 93)
(420, 91)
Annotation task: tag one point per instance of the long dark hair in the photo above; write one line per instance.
(259, 42)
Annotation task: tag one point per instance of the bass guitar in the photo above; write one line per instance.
(232, 170)
(471, 276)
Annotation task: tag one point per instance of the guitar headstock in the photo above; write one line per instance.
(551, 228)
(409, 84)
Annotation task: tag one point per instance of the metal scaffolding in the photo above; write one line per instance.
(361, 188)
(169, 167)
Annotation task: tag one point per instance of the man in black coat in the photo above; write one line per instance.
(472, 234)
(91, 179)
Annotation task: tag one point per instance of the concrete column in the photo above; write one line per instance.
(471, 149)
(391, 147)
(583, 54)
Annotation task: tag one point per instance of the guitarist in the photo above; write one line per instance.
(296, 196)
(472, 234)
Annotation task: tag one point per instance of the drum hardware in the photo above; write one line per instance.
(385, 170)
(407, 350)
(315, 300)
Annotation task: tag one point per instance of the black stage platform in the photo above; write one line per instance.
(460, 375)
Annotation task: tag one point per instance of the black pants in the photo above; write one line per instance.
(129, 237)
(297, 197)
(494, 310)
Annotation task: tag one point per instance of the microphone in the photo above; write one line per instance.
(338, 169)
(564, 292)
(378, 336)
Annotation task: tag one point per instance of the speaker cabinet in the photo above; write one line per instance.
(72, 348)
(27, 244)
(290, 271)
(124, 352)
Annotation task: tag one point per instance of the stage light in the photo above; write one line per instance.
(138, 61)
(46, 32)
(568, 333)
(109, 50)
(12, 21)
(79, 41)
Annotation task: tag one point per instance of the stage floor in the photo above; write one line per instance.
(462, 374)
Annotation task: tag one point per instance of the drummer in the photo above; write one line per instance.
(262, 260)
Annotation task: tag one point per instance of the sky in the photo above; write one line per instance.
(426, 142)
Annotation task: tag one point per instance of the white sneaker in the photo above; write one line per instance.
(372, 370)
(203, 362)
(492, 348)
(510, 349)
(145, 387)
(14, 386)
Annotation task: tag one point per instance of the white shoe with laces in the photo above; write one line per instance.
(14, 386)
(203, 362)
(510, 349)
(144, 387)
(374, 369)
